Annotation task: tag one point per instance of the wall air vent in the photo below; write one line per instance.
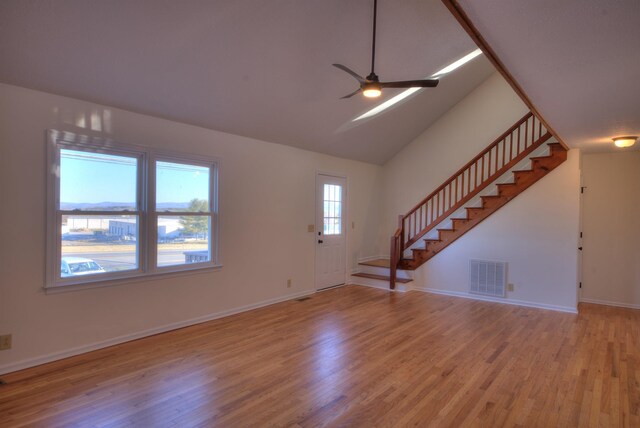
(487, 278)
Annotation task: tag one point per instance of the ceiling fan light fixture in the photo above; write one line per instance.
(371, 90)
(371, 86)
(625, 141)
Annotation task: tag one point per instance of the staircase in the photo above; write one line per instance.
(517, 159)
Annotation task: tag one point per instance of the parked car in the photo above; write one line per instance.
(75, 266)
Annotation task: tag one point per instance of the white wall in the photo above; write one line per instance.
(453, 140)
(267, 200)
(536, 234)
(611, 227)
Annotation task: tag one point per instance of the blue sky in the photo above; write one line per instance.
(95, 177)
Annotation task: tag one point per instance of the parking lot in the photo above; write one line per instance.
(117, 256)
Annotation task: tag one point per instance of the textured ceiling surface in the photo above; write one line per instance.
(577, 60)
(254, 68)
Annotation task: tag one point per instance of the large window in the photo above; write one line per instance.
(116, 212)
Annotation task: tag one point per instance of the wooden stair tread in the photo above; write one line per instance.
(384, 263)
(381, 277)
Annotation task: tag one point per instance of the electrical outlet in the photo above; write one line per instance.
(5, 342)
(510, 287)
(311, 228)
(288, 283)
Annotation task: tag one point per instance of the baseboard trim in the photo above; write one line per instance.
(609, 303)
(320, 290)
(32, 362)
(400, 288)
(496, 300)
(379, 287)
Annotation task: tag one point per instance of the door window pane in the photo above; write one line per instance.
(97, 182)
(183, 240)
(332, 207)
(93, 245)
(182, 187)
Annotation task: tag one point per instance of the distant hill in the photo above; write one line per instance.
(117, 206)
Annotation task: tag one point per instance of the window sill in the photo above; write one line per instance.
(64, 288)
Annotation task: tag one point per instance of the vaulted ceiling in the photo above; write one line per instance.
(578, 61)
(261, 69)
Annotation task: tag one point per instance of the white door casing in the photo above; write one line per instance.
(330, 233)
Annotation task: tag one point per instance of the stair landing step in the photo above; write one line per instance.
(384, 263)
(381, 277)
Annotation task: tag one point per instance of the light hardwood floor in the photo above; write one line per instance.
(352, 356)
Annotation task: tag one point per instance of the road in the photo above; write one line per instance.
(114, 261)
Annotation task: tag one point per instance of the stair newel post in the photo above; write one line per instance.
(392, 262)
(401, 227)
(395, 253)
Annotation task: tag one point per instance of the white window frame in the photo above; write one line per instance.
(212, 213)
(147, 239)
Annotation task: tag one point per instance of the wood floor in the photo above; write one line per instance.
(352, 356)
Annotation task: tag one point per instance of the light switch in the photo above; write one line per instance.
(311, 228)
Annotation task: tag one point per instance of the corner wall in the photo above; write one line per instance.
(536, 233)
(611, 227)
(267, 199)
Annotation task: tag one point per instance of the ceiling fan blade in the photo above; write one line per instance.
(351, 72)
(428, 83)
(351, 94)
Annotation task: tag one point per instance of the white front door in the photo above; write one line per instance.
(331, 263)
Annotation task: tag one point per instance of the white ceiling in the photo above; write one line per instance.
(577, 60)
(255, 68)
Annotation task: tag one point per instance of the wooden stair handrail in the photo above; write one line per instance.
(477, 190)
(541, 166)
(470, 163)
(490, 163)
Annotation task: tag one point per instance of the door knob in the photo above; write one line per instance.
(320, 241)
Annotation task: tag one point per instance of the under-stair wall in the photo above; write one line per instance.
(536, 233)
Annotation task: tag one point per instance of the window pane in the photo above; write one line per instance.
(181, 187)
(93, 245)
(332, 209)
(332, 192)
(183, 240)
(96, 181)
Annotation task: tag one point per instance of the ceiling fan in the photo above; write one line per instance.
(371, 86)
